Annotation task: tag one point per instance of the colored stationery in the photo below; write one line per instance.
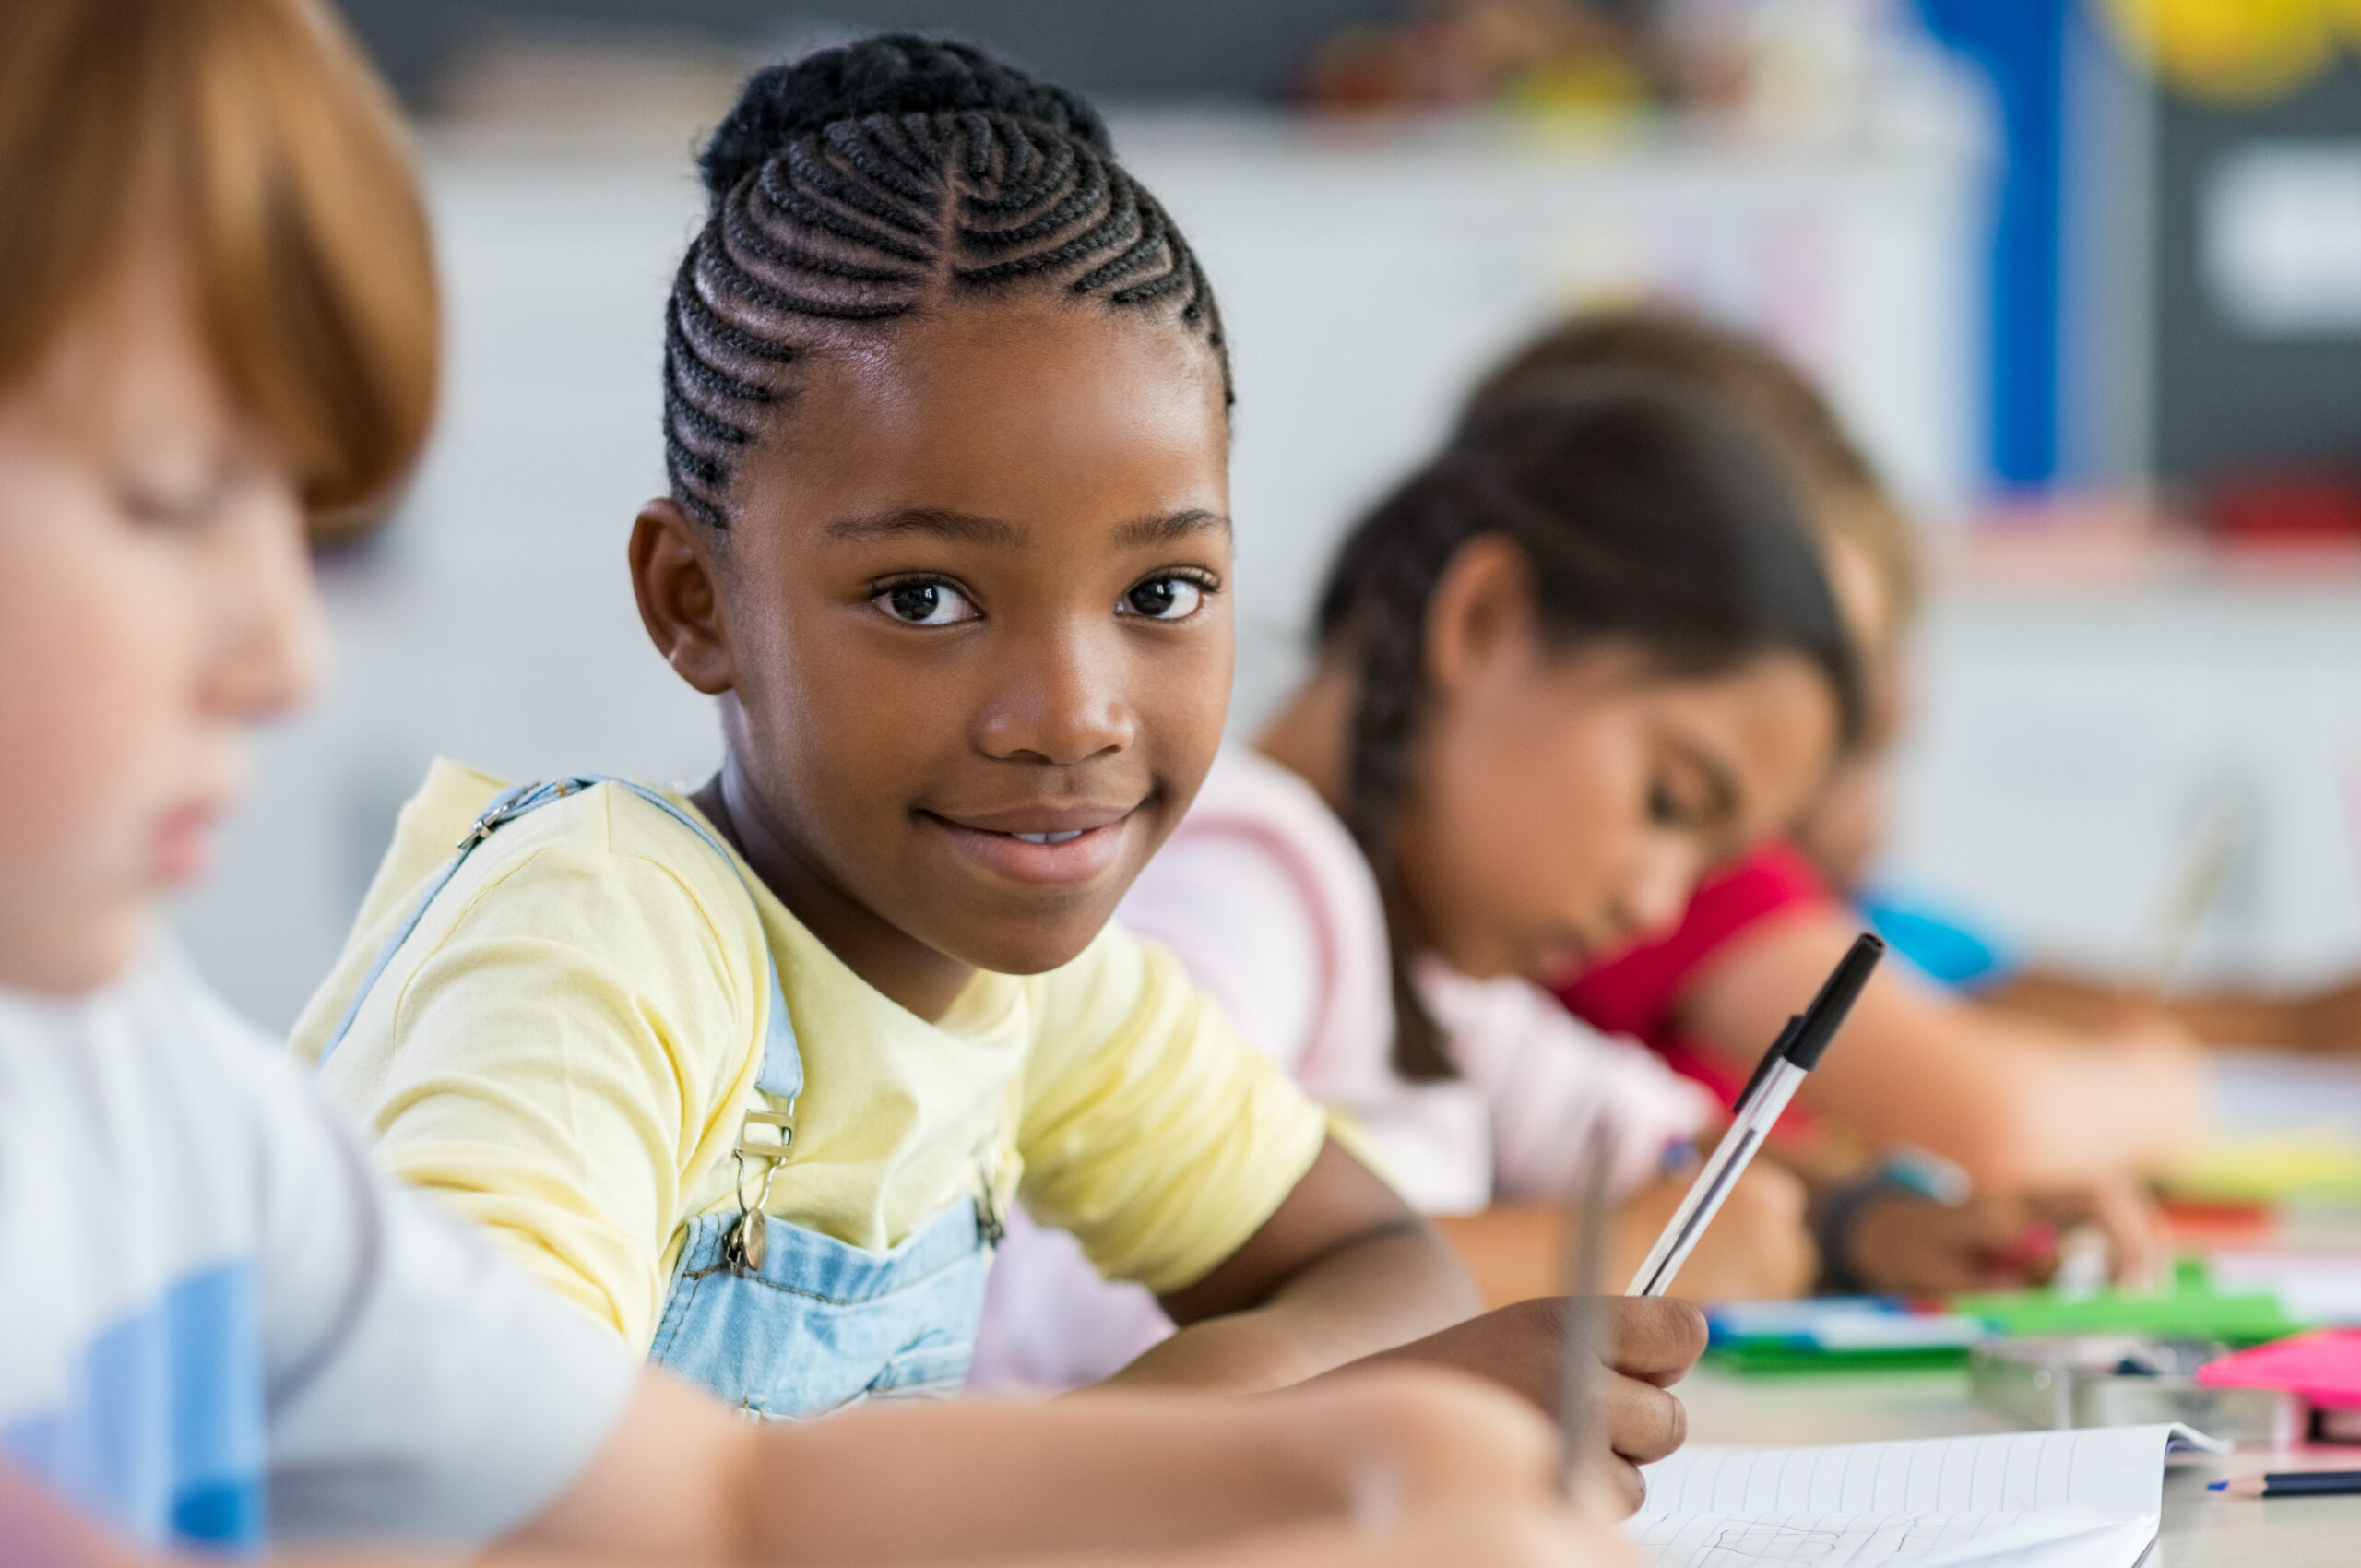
(2293, 1483)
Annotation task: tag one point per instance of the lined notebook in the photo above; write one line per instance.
(2088, 1499)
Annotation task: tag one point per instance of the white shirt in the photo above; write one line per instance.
(218, 1324)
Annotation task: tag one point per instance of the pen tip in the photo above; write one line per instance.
(2217, 1486)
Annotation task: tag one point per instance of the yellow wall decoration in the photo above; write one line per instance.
(2235, 52)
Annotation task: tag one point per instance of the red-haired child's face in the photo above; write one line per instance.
(972, 616)
(155, 600)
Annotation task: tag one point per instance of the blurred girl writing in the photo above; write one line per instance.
(2046, 1121)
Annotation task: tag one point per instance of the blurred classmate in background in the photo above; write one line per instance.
(1584, 655)
(2047, 1121)
(218, 344)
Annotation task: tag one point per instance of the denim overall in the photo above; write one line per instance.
(778, 1319)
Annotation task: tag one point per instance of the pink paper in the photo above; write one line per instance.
(2324, 1367)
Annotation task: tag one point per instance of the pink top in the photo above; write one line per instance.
(1264, 896)
(1639, 991)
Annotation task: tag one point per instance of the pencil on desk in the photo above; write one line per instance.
(2292, 1483)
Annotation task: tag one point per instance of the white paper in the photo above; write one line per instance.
(2088, 1499)
(2280, 237)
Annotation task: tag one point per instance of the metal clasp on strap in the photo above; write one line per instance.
(513, 804)
(748, 1238)
(766, 1148)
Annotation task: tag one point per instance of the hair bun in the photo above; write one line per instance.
(895, 73)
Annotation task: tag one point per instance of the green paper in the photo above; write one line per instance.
(2248, 1319)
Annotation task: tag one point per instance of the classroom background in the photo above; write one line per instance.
(2086, 281)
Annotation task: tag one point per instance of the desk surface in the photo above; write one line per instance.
(2200, 1530)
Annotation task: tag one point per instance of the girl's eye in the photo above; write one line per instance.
(1665, 809)
(926, 604)
(1163, 599)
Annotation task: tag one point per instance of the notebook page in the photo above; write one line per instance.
(2035, 1497)
(2070, 1538)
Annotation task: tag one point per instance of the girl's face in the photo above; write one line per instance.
(1562, 806)
(971, 616)
(156, 600)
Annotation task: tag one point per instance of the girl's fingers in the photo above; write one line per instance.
(1645, 1423)
(1654, 1339)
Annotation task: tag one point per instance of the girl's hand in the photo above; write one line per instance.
(1758, 1248)
(1906, 1244)
(1654, 1341)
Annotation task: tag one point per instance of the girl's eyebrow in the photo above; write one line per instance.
(970, 528)
(1170, 528)
(965, 527)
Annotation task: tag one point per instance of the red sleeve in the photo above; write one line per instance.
(1635, 991)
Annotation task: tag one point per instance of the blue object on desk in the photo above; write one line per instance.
(1838, 1325)
(1942, 947)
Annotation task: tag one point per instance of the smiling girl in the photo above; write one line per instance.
(753, 1075)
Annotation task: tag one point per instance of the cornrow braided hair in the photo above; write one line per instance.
(1645, 514)
(863, 185)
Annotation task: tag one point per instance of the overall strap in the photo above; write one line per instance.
(780, 1074)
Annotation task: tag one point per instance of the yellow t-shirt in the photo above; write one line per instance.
(565, 1046)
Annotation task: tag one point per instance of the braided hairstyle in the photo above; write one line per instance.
(1646, 515)
(865, 183)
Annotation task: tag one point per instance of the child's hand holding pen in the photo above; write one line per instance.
(1651, 1344)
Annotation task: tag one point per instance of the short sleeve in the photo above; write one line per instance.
(1150, 1129)
(1638, 991)
(418, 1386)
(560, 1063)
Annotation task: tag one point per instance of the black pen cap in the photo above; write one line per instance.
(1827, 1012)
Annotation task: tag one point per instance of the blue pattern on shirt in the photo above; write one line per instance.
(162, 1432)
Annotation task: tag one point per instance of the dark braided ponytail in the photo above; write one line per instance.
(862, 185)
(1646, 516)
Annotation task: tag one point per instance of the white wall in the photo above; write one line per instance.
(2071, 742)
(1367, 283)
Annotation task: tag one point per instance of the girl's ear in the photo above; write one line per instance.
(672, 577)
(1481, 608)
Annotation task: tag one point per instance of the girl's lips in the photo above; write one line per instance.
(1082, 856)
(182, 845)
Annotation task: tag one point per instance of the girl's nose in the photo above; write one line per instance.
(270, 641)
(1657, 891)
(1061, 701)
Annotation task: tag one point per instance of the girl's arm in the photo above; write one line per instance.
(1396, 1474)
(1343, 1268)
(2326, 1019)
(2018, 1102)
(1343, 1276)
(976, 1481)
